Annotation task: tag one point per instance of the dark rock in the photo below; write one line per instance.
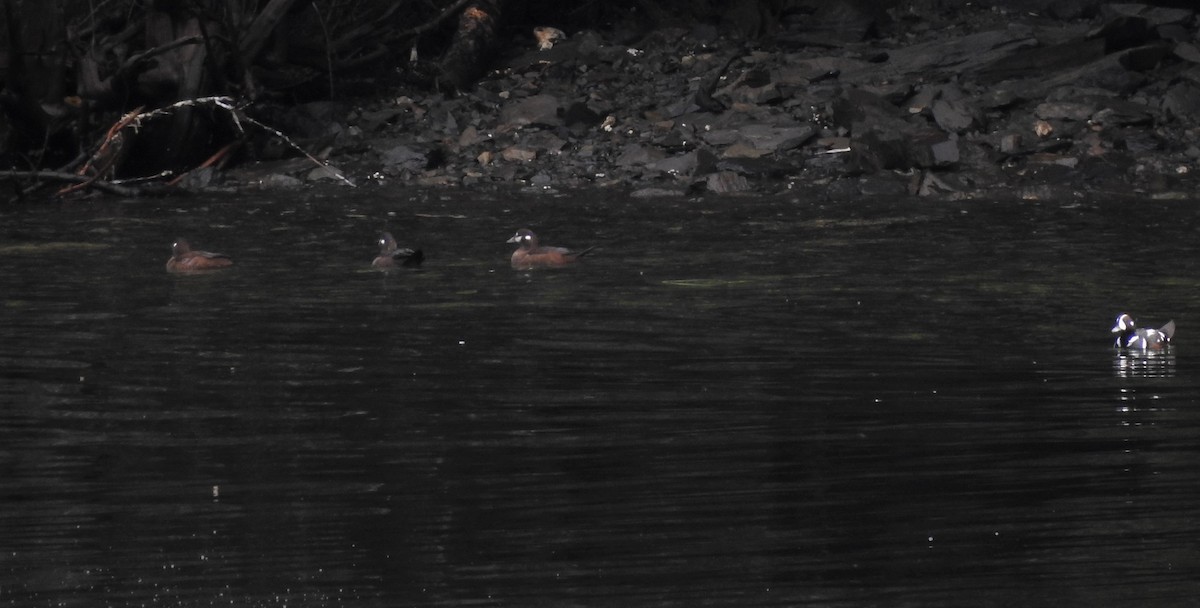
(278, 180)
(1052, 146)
(1034, 62)
(580, 114)
(966, 54)
(542, 141)
(743, 150)
(1154, 16)
(1065, 110)
(1191, 74)
(325, 174)
(656, 192)
(874, 151)
(922, 101)
(720, 137)
(518, 154)
(945, 153)
(775, 139)
(1068, 10)
(726, 182)
(882, 184)
(679, 107)
(377, 120)
(859, 107)
(198, 179)
(759, 95)
(637, 155)
(676, 141)
(846, 20)
(748, 19)
(1122, 32)
(1010, 143)
(953, 114)
(799, 70)
(931, 185)
(681, 165)
(893, 92)
(1140, 142)
(1001, 97)
(471, 136)
(755, 78)
(1174, 32)
(1119, 112)
(1182, 101)
(536, 110)
(1047, 158)
(758, 168)
(314, 118)
(1146, 57)
(1105, 73)
(930, 107)
(930, 149)
(1187, 52)
(403, 158)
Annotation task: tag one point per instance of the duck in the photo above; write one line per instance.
(530, 254)
(1130, 336)
(185, 259)
(390, 254)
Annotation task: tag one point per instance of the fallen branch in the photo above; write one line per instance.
(109, 152)
(109, 155)
(238, 117)
(73, 178)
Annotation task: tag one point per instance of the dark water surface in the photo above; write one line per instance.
(751, 402)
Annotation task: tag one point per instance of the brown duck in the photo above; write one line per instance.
(532, 255)
(185, 259)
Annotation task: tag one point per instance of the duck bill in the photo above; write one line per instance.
(516, 238)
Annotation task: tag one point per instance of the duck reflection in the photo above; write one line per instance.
(1147, 364)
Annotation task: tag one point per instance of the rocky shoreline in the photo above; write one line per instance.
(986, 103)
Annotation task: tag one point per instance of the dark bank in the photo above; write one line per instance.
(1035, 99)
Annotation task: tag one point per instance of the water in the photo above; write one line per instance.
(768, 402)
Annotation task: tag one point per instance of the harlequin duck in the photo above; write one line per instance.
(1129, 335)
(531, 255)
(390, 254)
(184, 259)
